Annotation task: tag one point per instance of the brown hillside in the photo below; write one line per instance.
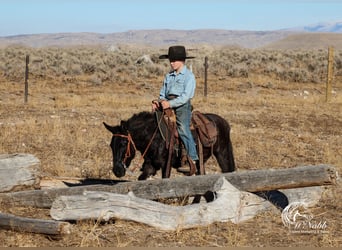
(246, 39)
(308, 41)
(163, 38)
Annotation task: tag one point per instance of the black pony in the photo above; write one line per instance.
(141, 133)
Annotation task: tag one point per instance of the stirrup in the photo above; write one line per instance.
(184, 168)
(189, 168)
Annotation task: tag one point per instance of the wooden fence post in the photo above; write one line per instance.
(206, 76)
(330, 74)
(26, 77)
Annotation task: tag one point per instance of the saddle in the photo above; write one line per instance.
(201, 126)
(203, 130)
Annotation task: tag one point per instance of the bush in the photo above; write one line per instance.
(295, 66)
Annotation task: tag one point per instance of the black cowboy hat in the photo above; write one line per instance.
(176, 53)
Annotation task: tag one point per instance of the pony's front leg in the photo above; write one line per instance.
(166, 172)
(147, 170)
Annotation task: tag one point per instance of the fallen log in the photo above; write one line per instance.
(251, 181)
(231, 205)
(18, 171)
(23, 224)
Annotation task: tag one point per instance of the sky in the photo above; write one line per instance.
(108, 16)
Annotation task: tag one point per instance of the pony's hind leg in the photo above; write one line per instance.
(226, 160)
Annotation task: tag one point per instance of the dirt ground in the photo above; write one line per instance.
(274, 125)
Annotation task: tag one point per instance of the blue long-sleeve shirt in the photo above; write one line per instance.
(182, 85)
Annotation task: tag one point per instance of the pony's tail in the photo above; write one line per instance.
(231, 161)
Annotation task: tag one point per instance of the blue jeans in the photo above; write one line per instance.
(183, 118)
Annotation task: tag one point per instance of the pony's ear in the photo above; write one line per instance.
(124, 125)
(110, 128)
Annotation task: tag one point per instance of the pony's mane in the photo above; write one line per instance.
(142, 116)
(141, 120)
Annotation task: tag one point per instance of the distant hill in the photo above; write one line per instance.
(308, 41)
(247, 39)
(302, 37)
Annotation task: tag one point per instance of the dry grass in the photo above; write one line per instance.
(276, 123)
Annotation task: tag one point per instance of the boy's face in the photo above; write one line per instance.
(176, 65)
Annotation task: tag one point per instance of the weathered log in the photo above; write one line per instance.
(23, 224)
(251, 181)
(18, 171)
(231, 205)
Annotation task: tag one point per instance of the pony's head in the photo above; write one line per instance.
(123, 148)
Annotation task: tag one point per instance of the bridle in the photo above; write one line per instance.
(130, 141)
(128, 148)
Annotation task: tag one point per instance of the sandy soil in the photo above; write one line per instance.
(274, 125)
